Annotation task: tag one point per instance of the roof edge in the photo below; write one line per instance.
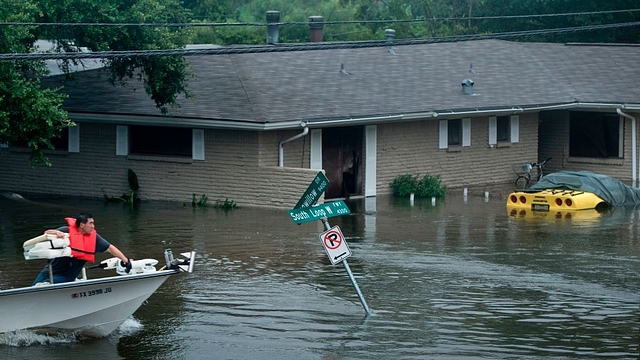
(322, 123)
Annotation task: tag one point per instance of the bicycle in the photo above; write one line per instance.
(525, 176)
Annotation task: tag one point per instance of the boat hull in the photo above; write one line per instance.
(92, 308)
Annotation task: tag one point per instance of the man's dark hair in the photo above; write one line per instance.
(83, 218)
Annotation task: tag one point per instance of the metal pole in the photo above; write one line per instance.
(355, 286)
(325, 221)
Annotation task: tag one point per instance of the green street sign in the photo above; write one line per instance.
(326, 210)
(314, 191)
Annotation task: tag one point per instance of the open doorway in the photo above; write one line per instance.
(342, 161)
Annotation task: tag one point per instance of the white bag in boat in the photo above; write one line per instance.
(46, 247)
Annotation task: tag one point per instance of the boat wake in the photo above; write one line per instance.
(128, 327)
(26, 338)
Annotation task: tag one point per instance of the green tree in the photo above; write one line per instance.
(164, 78)
(28, 114)
(251, 11)
(456, 17)
(533, 7)
(32, 115)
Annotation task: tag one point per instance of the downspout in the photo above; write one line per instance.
(634, 176)
(304, 132)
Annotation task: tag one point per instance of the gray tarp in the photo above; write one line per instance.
(613, 191)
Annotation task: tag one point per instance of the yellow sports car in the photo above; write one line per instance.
(554, 200)
(568, 194)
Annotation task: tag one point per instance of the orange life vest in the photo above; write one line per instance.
(83, 246)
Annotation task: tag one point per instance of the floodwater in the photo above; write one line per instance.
(459, 280)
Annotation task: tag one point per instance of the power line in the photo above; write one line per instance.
(306, 46)
(304, 23)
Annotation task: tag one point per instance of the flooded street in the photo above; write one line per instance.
(460, 280)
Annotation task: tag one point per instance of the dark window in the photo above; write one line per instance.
(503, 128)
(594, 135)
(454, 129)
(60, 143)
(147, 140)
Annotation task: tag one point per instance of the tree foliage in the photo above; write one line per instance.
(251, 11)
(28, 114)
(32, 115)
(436, 18)
(164, 78)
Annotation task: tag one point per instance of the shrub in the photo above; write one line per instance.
(403, 185)
(431, 185)
(428, 186)
(199, 203)
(129, 197)
(226, 204)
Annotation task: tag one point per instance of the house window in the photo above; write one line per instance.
(454, 132)
(59, 143)
(595, 135)
(148, 140)
(503, 131)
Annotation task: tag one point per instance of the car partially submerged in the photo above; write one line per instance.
(572, 191)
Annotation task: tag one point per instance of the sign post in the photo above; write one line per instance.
(346, 266)
(307, 210)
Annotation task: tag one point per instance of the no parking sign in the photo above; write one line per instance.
(334, 244)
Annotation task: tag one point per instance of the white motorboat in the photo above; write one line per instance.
(90, 307)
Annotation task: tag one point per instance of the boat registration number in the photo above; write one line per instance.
(94, 292)
(539, 207)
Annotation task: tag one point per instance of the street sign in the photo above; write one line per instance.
(314, 191)
(334, 244)
(326, 210)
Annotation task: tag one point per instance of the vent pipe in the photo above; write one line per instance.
(467, 86)
(390, 34)
(273, 18)
(316, 26)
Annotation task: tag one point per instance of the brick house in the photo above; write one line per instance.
(262, 125)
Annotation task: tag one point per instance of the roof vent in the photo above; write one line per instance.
(467, 86)
(273, 18)
(390, 34)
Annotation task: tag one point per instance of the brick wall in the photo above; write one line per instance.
(554, 142)
(230, 171)
(412, 148)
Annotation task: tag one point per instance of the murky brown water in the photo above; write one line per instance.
(461, 280)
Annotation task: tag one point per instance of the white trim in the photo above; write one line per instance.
(197, 144)
(444, 134)
(515, 128)
(621, 137)
(371, 158)
(493, 130)
(466, 132)
(122, 140)
(74, 139)
(315, 149)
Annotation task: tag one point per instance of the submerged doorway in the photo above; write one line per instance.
(342, 161)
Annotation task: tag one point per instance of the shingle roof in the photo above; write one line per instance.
(280, 86)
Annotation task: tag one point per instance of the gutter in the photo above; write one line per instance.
(633, 145)
(451, 113)
(350, 121)
(304, 132)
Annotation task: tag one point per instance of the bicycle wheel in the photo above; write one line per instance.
(522, 182)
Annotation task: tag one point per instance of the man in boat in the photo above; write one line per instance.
(84, 242)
